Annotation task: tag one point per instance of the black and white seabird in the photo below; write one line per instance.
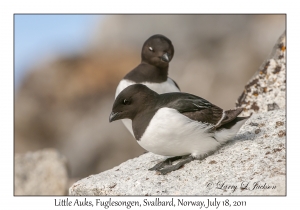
(157, 52)
(178, 124)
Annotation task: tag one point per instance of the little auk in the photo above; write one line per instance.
(157, 52)
(179, 125)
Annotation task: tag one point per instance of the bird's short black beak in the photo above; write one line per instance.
(165, 57)
(113, 116)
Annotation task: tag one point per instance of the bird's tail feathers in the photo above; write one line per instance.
(228, 131)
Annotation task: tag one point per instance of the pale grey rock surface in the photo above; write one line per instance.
(43, 172)
(257, 154)
(267, 89)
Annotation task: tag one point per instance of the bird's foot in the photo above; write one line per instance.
(167, 161)
(169, 167)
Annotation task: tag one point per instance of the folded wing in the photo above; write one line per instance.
(199, 109)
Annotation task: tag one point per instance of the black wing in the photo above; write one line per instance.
(194, 107)
(199, 109)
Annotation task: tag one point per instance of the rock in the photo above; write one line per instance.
(255, 157)
(41, 173)
(266, 90)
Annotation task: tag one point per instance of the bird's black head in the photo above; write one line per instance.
(131, 101)
(158, 51)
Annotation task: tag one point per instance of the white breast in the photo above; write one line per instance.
(164, 87)
(170, 133)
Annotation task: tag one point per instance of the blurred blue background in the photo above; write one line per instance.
(37, 36)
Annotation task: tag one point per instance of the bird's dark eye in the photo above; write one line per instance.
(151, 49)
(125, 102)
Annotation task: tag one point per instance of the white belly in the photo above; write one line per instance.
(165, 87)
(170, 133)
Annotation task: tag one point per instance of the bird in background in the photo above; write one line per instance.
(157, 53)
(178, 125)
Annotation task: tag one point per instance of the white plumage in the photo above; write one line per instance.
(170, 133)
(160, 88)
